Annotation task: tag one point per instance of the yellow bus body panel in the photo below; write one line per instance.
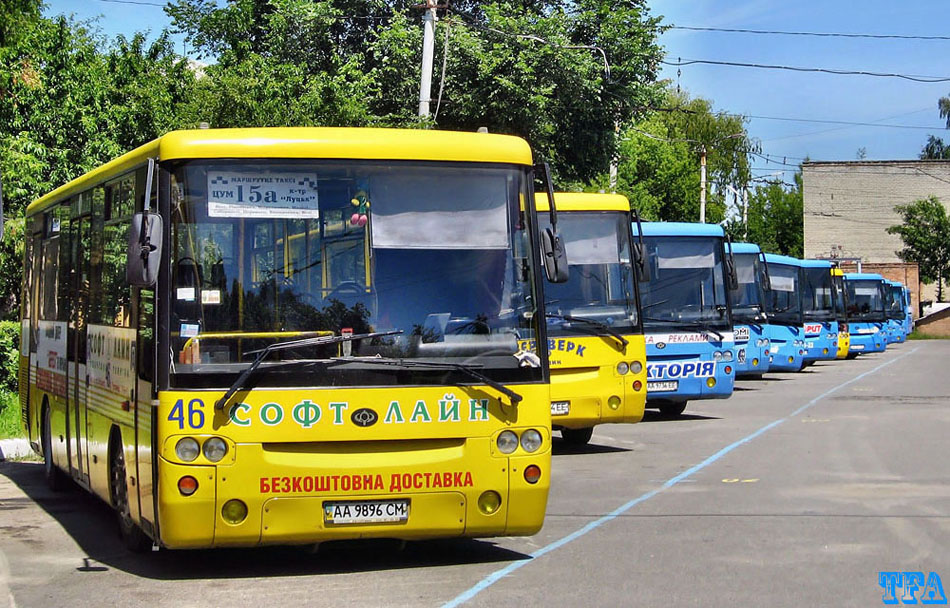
(844, 343)
(292, 450)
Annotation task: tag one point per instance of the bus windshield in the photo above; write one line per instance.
(435, 254)
(687, 283)
(818, 294)
(602, 286)
(895, 302)
(747, 300)
(784, 303)
(865, 300)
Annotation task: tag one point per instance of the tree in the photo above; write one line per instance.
(659, 159)
(925, 231)
(935, 149)
(531, 68)
(775, 218)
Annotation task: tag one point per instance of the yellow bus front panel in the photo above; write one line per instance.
(844, 343)
(293, 454)
(587, 387)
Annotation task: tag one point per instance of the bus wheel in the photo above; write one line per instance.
(54, 477)
(132, 536)
(672, 409)
(577, 436)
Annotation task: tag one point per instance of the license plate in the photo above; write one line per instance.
(659, 387)
(560, 408)
(348, 512)
(741, 333)
(773, 349)
(857, 347)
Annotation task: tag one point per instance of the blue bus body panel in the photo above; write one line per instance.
(678, 229)
(895, 331)
(752, 351)
(866, 337)
(821, 340)
(786, 347)
(745, 248)
(686, 359)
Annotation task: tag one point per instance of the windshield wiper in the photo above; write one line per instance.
(465, 369)
(292, 344)
(602, 326)
(703, 325)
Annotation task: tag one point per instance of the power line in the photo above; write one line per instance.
(820, 34)
(840, 122)
(762, 66)
(140, 2)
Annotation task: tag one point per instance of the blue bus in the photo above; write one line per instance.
(866, 314)
(896, 310)
(785, 330)
(687, 321)
(909, 308)
(818, 311)
(748, 311)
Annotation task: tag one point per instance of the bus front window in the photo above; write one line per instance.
(865, 300)
(687, 283)
(434, 254)
(817, 294)
(784, 302)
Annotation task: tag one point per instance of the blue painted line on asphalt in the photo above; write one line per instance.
(494, 577)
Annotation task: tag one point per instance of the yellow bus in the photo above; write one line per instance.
(841, 312)
(241, 337)
(595, 336)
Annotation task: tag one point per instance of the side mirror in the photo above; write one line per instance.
(555, 256)
(145, 249)
(640, 252)
(766, 280)
(732, 276)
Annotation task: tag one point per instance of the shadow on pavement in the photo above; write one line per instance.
(92, 524)
(656, 416)
(561, 447)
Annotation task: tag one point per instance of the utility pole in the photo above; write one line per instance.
(428, 49)
(612, 179)
(745, 213)
(702, 185)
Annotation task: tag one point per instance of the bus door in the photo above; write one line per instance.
(77, 376)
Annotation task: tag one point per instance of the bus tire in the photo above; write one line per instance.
(132, 536)
(55, 478)
(577, 436)
(672, 409)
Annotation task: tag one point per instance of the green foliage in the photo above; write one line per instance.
(935, 149)
(10, 424)
(659, 167)
(925, 232)
(775, 218)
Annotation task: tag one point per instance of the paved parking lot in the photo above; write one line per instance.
(796, 491)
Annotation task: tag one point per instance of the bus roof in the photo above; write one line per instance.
(774, 258)
(863, 276)
(679, 229)
(815, 263)
(745, 248)
(583, 201)
(306, 142)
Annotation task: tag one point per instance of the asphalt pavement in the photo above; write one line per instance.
(796, 491)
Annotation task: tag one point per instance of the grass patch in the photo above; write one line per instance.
(10, 415)
(914, 335)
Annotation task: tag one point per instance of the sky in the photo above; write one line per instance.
(770, 97)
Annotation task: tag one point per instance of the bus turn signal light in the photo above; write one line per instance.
(187, 485)
(532, 473)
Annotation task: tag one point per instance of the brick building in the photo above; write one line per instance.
(849, 205)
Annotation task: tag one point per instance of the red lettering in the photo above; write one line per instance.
(336, 482)
(367, 482)
(265, 487)
(357, 483)
(286, 487)
(345, 483)
(379, 483)
(457, 480)
(308, 484)
(437, 481)
(468, 479)
(323, 483)
(446, 480)
(394, 483)
(296, 485)
(274, 487)
(406, 481)
(417, 481)
(428, 479)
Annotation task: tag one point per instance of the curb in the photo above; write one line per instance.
(14, 448)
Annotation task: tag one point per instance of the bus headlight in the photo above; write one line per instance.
(613, 402)
(214, 449)
(489, 502)
(622, 368)
(507, 442)
(531, 440)
(727, 355)
(717, 355)
(234, 511)
(187, 449)
(636, 367)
